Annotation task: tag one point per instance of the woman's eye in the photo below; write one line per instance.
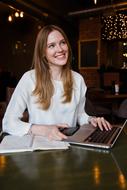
(63, 42)
(51, 46)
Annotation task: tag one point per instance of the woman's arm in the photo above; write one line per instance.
(12, 122)
(52, 132)
(84, 118)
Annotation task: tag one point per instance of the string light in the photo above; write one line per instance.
(114, 27)
(21, 14)
(16, 14)
(10, 18)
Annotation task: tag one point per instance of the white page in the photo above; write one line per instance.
(12, 143)
(42, 143)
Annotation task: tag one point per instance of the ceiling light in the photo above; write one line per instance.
(21, 14)
(16, 14)
(10, 18)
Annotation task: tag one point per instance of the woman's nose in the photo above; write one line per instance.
(59, 48)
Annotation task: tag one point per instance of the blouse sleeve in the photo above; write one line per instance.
(83, 117)
(12, 122)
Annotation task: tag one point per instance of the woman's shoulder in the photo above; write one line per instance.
(28, 75)
(27, 78)
(77, 76)
(78, 80)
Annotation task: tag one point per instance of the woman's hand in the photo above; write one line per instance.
(100, 122)
(52, 132)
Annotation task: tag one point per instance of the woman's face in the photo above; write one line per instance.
(57, 49)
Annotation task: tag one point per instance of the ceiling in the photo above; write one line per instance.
(63, 9)
(74, 7)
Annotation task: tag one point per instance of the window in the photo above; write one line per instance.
(89, 53)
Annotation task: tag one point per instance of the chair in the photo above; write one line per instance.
(2, 111)
(96, 104)
(122, 112)
(9, 92)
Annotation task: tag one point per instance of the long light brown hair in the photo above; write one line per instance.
(44, 88)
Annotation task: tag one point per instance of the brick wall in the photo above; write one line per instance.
(90, 29)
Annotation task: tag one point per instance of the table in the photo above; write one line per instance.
(115, 96)
(72, 169)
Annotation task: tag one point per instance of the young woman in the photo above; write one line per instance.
(53, 94)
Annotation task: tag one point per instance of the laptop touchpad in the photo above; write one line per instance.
(82, 133)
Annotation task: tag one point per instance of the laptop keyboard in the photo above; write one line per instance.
(104, 136)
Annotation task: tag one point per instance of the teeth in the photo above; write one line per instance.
(60, 56)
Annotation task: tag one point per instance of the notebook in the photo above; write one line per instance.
(12, 144)
(88, 135)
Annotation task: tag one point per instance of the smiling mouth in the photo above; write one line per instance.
(61, 55)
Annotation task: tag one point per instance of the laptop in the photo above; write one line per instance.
(88, 135)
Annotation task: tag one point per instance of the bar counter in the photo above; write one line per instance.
(76, 168)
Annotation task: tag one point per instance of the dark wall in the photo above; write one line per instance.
(17, 40)
(17, 44)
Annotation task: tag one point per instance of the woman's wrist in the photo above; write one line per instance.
(37, 130)
(90, 118)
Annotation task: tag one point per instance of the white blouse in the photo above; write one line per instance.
(58, 112)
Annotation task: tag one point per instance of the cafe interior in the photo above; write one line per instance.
(97, 32)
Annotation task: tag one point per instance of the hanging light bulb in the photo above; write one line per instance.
(95, 1)
(16, 14)
(21, 14)
(10, 18)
